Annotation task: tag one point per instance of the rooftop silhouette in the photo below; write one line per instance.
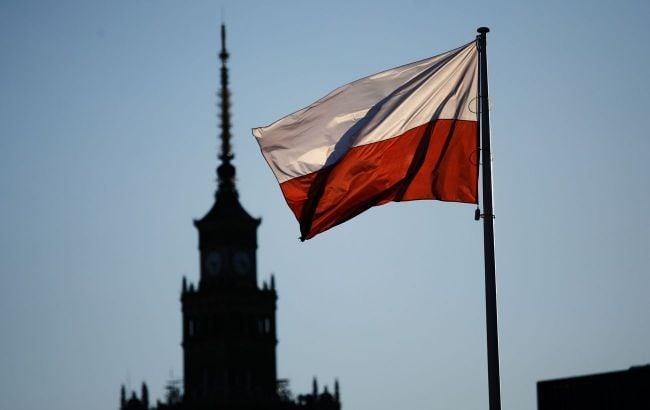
(619, 390)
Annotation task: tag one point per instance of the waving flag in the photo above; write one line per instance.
(403, 134)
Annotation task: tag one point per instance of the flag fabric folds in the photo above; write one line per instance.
(403, 134)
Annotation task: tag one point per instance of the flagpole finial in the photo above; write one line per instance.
(483, 30)
(225, 171)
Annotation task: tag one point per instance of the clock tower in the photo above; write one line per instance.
(229, 331)
(229, 336)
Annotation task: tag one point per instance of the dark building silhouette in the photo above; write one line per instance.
(229, 324)
(621, 390)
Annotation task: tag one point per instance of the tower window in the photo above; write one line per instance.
(249, 381)
(192, 327)
(191, 331)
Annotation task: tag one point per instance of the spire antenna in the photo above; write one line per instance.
(225, 171)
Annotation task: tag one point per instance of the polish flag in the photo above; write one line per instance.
(407, 133)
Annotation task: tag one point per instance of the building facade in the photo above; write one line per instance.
(621, 390)
(229, 322)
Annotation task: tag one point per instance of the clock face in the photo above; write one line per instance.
(213, 263)
(242, 262)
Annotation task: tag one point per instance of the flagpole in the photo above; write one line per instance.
(488, 229)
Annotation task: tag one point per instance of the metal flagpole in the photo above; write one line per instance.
(488, 229)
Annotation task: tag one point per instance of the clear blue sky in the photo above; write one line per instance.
(107, 152)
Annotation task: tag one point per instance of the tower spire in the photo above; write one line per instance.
(225, 171)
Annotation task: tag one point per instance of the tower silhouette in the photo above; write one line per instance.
(229, 324)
